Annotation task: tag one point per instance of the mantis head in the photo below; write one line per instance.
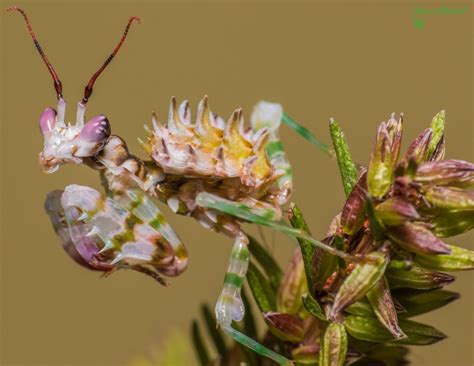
(66, 142)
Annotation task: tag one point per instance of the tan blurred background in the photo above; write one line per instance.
(354, 61)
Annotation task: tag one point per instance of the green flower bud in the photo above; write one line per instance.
(395, 211)
(286, 327)
(450, 223)
(420, 302)
(333, 346)
(353, 212)
(417, 238)
(369, 329)
(417, 277)
(381, 300)
(362, 278)
(436, 146)
(459, 259)
(451, 198)
(382, 161)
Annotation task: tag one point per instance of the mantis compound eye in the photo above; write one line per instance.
(97, 129)
(47, 120)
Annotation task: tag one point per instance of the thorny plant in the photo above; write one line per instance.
(343, 299)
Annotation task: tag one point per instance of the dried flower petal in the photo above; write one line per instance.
(285, 326)
(381, 300)
(419, 148)
(353, 212)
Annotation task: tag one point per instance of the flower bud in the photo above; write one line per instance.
(451, 223)
(417, 238)
(436, 146)
(382, 304)
(382, 161)
(353, 212)
(395, 211)
(362, 278)
(47, 120)
(417, 277)
(457, 173)
(459, 259)
(420, 302)
(369, 329)
(451, 198)
(285, 326)
(333, 346)
(419, 148)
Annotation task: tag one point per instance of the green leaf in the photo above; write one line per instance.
(347, 167)
(459, 259)
(199, 346)
(419, 302)
(266, 261)
(370, 329)
(213, 331)
(305, 133)
(262, 292)
(307, 249)
(313, 307)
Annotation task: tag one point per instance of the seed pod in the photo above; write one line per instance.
(457, 173)
(459, 259)
(417, 238)
(451, 198)
(286, 327)
(417, 277)
(333, 346)
(451, 223)
(419, 302)
(353, 212)
(364, 276)
(395, 211)
(380, 171)
(381, 300)
(369, 329)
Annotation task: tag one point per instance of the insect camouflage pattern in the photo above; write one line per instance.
(205, 168)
